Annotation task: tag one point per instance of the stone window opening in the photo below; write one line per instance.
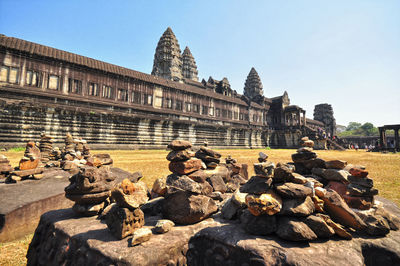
(168, 103)
(33, 78)
(196, 108)
(148, 99)
(224, 113)
(204, 110)
(136, 97)
(178, 105)
(108, 92)
(211, 111)
(235, 115)
(240, 116)
(93, 89)
(217, 112)
(54, 82)
(74, 86)
(188, 106)
(122, 95)
(9, 74)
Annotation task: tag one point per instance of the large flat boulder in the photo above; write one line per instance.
(63, 238)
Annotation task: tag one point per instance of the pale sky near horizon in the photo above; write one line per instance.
(345, 53)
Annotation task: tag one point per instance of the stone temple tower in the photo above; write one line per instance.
(253, 88)
(167, 59)
(189, 67)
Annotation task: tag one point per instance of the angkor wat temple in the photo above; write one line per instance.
(43, 89)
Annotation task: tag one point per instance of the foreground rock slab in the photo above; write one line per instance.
(62, 239)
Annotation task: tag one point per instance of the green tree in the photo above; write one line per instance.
(353, 126)
(367, 129)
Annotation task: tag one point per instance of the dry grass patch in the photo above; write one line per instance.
(14, 252)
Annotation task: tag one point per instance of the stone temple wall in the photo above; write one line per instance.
(20, 123)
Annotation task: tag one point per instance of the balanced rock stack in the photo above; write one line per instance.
(124, 217)
(353, 185)
(31, 157)
(29, 165)
(85, 149)
(69, 143)
(5, 166)
(186, 200)
(46, 147)
(209, 157)
(294, 207)
(90, 189)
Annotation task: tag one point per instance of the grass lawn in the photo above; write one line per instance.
(384, 169)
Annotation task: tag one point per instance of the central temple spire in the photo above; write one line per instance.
(168, 59)
(253, 87)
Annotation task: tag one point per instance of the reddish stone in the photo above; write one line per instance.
(185, 167)
(28, 164)
(339, 187)
(361, 203)
(358, 172)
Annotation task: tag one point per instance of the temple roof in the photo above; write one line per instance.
(34, 49)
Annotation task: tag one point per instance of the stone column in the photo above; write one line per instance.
(298, 118)
(382, 138)
(396, 139)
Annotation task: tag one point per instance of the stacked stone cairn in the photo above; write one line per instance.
(186, 195)
(296, 207)
(46, 147)
(29, 166)
(209, 157)
(90, 189)
(5, 167)
(76, 153)
(124, 217)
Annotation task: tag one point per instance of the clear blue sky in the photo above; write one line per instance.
(346, 53)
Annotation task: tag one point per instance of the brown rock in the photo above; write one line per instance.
(339, 230)
(297, 207)
(89, 199)
(335, 164)
(257, 185)
(182, 155)
(183, 182)
(339, 187)
(358, 172)
(182, 207)
(340, 212)
(198, 176)
(185, 167)
(160, 186)
(122, 222)
(293, 229)
(25, 173)
(178, 145)
(28, 164)
(217, 183)
(130, 195)
(163, 226)
(299, 179)
(362, 181)
(314, 163)
(140, 236)
(308, 143)
(261, 225)
(104, 158)
(88, 210)
(292, 190)
(336, 175)
(268, 203)
(264, 169)
(361, 203)
(303, 156)
(319, 226)
(210, 152)
(283, 173)
(357, 190)
(206, 157)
